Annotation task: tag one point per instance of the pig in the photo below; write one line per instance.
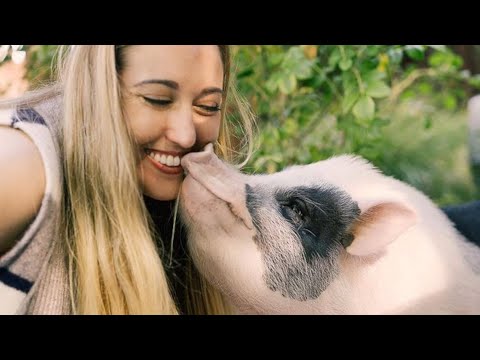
(332, 237)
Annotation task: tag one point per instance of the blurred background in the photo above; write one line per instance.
(403, 107)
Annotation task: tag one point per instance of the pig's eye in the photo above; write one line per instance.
(294, 211)
(298, 212)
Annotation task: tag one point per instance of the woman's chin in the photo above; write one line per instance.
(160, 186)
(164, 193)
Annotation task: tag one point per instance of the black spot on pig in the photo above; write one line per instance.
(317, 217)
(320, 216)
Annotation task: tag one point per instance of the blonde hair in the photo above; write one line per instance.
(114, 264)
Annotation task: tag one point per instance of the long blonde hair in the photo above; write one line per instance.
(114, 264)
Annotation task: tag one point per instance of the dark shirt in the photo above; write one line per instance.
(466, 218)
(175, 265)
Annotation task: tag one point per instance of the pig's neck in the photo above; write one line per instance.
(419, 273)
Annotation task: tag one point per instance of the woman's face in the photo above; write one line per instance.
(173, 101)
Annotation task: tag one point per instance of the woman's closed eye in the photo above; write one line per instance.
(210, 108)
(158, 102)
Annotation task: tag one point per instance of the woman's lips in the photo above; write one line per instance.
(162, 159)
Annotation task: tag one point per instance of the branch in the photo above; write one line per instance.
(408, 81)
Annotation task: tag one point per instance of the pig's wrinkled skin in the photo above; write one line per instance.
(334, 237)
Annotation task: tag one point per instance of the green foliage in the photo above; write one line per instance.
(428, 149)
(316, 101)
(40, 58)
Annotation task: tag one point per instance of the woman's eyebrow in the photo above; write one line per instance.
(210, 90)
(169, 83)
(174, 85)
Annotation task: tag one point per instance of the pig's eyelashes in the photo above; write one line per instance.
(294, 211)
(298, 214)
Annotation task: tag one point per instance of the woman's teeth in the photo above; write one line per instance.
(163, 159)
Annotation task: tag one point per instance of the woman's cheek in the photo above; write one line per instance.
(208, 130)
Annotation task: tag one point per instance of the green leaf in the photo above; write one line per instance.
(439, 59)
(296, 63)
(425, 88)
(275, 59)
(373, 76)
(303, 70)
(395, 55)
(291, 127)
(364, 108)
(450, 102)
(438, 47)
(475, 81)
(457, 61)
(369, 65)
(377, 89)
(408, 94)
(415, 52)
(334, 58)
(349, 81)
(272, 83)
(369, 153)
(287, 84)
(316, 81)
(294, 55)
(245, 73)
(348, 100)
(372, 51)
(345, 64)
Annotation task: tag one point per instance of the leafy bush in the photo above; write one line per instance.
(314, 101)
(38, 60)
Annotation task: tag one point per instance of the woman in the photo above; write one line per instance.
(96, 169)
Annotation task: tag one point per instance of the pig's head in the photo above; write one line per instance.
(280, 243)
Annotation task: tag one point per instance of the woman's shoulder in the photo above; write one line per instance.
(39, 122)
(30, 188)
(22, 184)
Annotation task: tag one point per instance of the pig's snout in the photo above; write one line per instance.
(198, 157)
(222, 180)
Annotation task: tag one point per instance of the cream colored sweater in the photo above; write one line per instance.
(33, 274)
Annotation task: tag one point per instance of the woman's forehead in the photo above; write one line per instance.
(185, 64)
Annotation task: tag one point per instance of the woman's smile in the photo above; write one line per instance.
(167, 162)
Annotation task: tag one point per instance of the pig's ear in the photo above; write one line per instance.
(379, 224)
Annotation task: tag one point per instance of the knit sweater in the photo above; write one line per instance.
(33, 276)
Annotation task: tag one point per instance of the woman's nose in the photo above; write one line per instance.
(181, 129)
